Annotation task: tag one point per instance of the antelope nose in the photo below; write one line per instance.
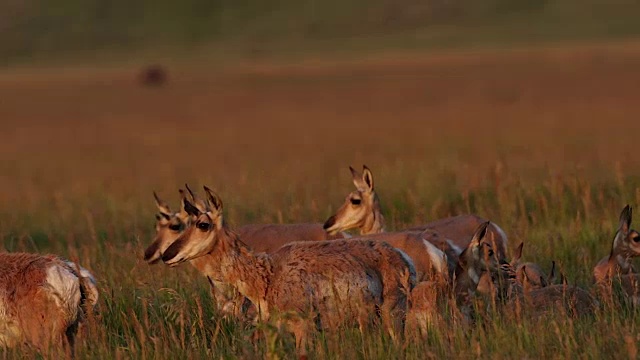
(329, 223)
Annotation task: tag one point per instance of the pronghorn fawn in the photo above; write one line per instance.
(262, 237)
(475, 260)
(320, 283)
(626, 245)
(616, 269)
(532, 272)
(43, 300)
(527, 294)
(361, 210)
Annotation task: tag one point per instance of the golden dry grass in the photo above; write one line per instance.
(541, 141)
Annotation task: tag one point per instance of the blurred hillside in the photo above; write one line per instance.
(42, 29)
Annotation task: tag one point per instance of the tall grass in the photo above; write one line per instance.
(543, 143)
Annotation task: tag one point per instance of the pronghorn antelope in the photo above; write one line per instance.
(617, 269)
(322, 282)
(475, 260)
(43, 300)
(536, 300)
(361, 210)
(169, 226)
(261, 237)
(532, 272)
(626, 245)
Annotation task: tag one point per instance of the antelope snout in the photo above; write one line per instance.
(329, 223)
(170, 256)
(152, 255)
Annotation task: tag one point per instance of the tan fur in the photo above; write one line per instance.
(361, 210)
(625, 245)
(41, 300)
(567, 299)
(530, 274)
(270, 237)
(423, 308)
(628, 284)
(333, 282)
(427, 297)
(260, 237)
(537, 301)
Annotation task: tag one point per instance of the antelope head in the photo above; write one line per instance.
(531, 272)
(479, 257)
(201, 237)
(169, 226)
(361, 208)
(626, 243)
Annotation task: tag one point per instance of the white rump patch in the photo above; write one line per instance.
(89, 283)
(65, 289)
(455, 247)
(438, 258)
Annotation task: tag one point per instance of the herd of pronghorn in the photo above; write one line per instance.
(307, 277)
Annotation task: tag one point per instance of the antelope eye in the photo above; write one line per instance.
(490, 252)
(636, 239)
(175, 227)
(204, 226)
(356, 201)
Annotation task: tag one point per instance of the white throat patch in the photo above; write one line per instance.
(623, 262)
(473, 275)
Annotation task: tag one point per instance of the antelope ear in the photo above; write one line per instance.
(162, 206)
(367, 177)
(191, 194)
(543, 282)
(552, 274)
(625, 220)
(563, 279)
(214, 200)
(189, 208)
(518, 254)
(480, 233)
(160, 216)
(197, 202)
(183, 198)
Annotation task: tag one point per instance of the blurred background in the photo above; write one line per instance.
(39, 30)
(525, 112)
(494, 106)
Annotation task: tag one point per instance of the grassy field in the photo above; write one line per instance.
(542, 141)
